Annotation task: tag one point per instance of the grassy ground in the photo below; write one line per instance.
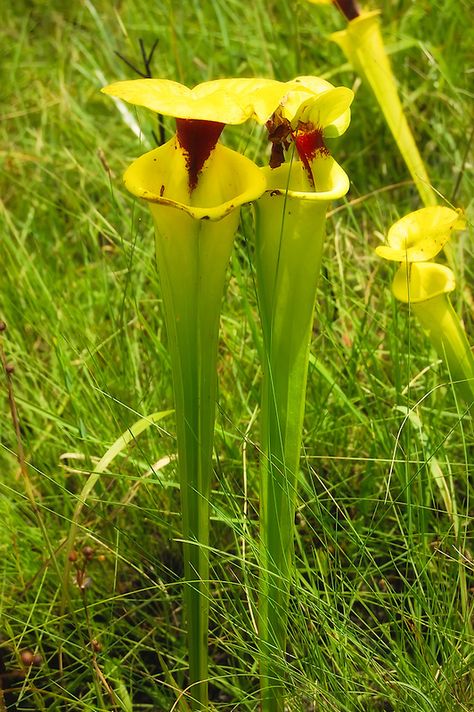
(380, 616)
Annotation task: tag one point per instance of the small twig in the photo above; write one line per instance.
(9, 370)
(2, 701)
(144, 56)
(132, 66)
(152, 51)
(147, 74)
(147, 58)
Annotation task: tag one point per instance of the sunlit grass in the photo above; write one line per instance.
(379, 616)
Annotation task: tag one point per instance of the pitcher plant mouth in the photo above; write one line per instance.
(330, 181)
(192, 172)
(227, 181)
(417, 282)
(305, 123)
(300, 130)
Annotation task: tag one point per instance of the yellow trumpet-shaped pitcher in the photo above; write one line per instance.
(426, 286)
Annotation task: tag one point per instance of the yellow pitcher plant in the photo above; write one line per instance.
(290, 230)
(194, 187)
(413, 241)
(363, 46)
(425, 286)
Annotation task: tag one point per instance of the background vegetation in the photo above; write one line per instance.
(383, 592)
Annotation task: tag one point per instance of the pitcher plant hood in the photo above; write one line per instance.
(306, 123)
(229, 101)
(421, 235)
(192, 172)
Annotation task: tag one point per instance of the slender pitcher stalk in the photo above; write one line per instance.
(193, 246)
(363, 45)
(425, 286)
(290, 231)
(194, 188)
(192, 258)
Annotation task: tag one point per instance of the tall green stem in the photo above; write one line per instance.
(425, 286)
(196, 213)
(192, 257)
(441, 323)
(290, 228)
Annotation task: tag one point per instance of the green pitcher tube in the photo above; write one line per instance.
(290, 231)
(425, 287)
(194, 188)
(363, 45)
(193, 246)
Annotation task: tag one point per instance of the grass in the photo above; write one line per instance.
(380, 607)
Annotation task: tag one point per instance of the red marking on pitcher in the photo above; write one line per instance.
(197, 139)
